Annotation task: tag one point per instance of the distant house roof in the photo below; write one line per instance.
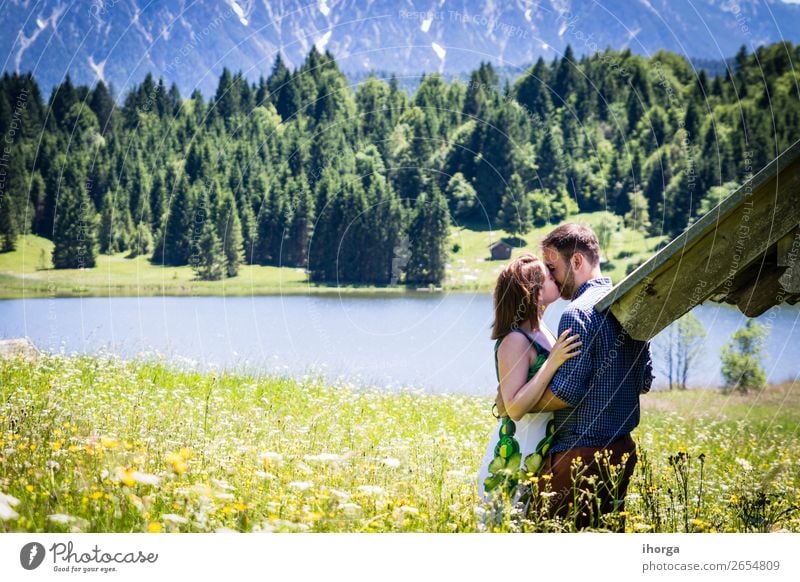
(746, 251)
(499, 244)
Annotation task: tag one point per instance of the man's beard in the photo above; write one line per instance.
(568, 286)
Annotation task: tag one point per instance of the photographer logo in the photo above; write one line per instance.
(31, 555)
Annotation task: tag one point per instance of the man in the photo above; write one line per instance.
(595, 396)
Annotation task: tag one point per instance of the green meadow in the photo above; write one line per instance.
(98, 444)
(27, 271)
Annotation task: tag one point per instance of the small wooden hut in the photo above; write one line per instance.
(500, 251)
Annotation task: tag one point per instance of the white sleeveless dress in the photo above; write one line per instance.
(530, 430)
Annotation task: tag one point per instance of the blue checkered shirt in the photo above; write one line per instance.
(603, 384)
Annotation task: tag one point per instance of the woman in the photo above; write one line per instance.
(526, 358)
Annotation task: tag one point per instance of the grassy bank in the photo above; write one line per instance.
(98, 445)
(28, 271)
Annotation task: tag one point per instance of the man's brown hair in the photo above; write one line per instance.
(516, 294)
(572, 238)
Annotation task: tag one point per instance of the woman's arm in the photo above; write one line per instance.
(518, 395)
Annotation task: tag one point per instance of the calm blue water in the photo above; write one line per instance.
(438, 343)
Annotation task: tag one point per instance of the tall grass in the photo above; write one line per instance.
(97, 444)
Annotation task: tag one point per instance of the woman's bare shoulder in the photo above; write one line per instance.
(545, 337)
(513, 343)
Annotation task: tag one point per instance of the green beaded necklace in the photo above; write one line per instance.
(507, 468)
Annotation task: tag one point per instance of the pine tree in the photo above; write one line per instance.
(9, 226)
(38, 202)
(639, 216)
(178, 227)
(142, 241)
(461, 196)
(324, 245)
(198, 109)
(158, 201)
(230, 232)
(428, 239)
(567, 78)
(271, 227)
(207, 257)
(111, 227)
(102, 104)
(139, 187)
(552, 167)
(13, 203)
(175, 100)
(227, 101)
(533, 90)
(75, 221)
(381, 222)
(374, 123)
(248, 227)
(639, 96)
(515, 216)
(62, 99)
(398, 100)
(300, 225)
(481, 91)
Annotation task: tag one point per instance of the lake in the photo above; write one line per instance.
(438, 343)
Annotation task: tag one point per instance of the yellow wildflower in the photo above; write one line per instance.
(109, 443)
(126, 477)
(177, 463)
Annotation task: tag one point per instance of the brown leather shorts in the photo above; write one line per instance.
(593, 485)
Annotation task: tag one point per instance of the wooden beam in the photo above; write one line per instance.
(759, 293)
(705, 259)
(788, 247)
(789, 257)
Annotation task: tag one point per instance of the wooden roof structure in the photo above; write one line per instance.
(746, 251)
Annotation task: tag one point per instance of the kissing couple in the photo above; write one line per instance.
(566, 405)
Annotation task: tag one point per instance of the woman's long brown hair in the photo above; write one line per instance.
(516, 294)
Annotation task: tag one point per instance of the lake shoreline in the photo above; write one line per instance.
(27, 271)
(39, 293)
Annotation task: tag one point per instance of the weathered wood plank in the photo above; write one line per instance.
(758, 292)
(788, 247)
(704, 260)
(789, 256)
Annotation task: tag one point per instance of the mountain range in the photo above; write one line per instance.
(189, 42)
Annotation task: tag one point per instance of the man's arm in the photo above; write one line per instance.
(549, 402)
(572, 379)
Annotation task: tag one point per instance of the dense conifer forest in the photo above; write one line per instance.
(362, 183)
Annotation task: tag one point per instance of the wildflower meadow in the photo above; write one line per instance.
(99, 444)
